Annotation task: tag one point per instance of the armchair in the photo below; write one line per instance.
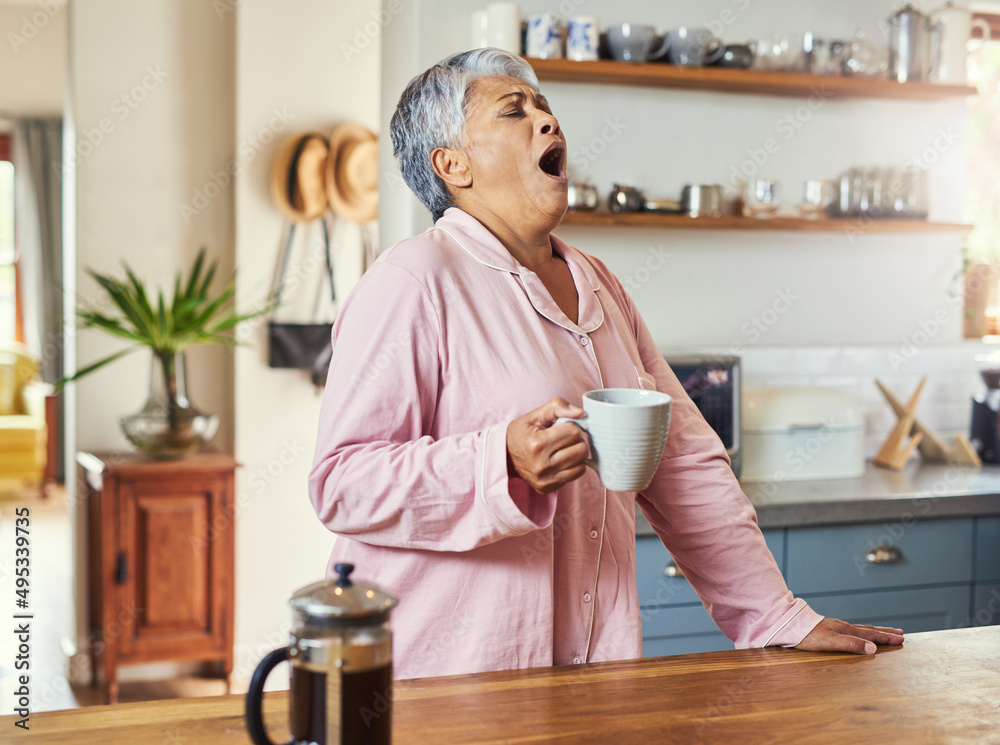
(23, 432)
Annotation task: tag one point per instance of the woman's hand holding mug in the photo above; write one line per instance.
(544, 456)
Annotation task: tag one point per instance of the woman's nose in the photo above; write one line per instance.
(547, 124)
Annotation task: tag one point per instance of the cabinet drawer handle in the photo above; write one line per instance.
(672, 570)
(121, 568)
(884, 555)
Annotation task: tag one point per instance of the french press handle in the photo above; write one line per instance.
(255, 697)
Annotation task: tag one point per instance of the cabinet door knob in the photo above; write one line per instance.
(883, 555)
(672, 570)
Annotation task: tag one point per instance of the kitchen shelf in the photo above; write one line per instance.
(780, 223)
(761, 82)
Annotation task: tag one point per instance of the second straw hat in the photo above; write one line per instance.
(298, 177)
(352, 173)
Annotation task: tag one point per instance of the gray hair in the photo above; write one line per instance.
(431, 114)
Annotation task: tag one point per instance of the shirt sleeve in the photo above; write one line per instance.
(697, 508)
(377, 475)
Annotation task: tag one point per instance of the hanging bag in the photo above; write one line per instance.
(301, 346)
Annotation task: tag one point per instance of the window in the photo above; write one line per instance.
(8, 283)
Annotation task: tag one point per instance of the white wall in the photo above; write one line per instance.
(152, 109)
(289, 57)
(33, 59)
(858, 289)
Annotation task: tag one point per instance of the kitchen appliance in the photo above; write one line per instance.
(713, 382)
(799, 433)
(914, 45)
(702, 200)
(984, 433)
(341, 666)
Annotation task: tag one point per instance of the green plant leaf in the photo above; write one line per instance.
(61, 383)
(194, 315)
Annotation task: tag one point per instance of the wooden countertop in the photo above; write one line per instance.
(939, 687)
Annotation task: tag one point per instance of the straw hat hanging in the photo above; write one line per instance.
(298, 177)
(352, 173)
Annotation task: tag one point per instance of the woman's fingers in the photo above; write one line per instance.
(833, 635)
(544, 455)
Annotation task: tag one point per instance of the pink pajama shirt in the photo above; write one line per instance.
(443, 342)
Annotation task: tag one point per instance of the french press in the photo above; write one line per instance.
(341, 666)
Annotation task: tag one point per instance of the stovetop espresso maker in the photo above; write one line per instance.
(341, 666)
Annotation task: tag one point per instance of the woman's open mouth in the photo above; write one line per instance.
(553, 162)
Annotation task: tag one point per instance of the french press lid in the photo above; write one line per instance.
(341, 602)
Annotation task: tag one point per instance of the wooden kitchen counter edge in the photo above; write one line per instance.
(941, 686)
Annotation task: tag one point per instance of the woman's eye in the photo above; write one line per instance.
(513, 113)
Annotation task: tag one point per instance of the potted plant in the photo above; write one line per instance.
(168, 426)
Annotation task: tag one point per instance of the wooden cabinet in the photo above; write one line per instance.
(930, 575)
(160, 558)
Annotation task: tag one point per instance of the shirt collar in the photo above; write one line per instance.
(477, 241)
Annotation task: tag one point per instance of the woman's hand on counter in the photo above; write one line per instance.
(546, 457)
(831, 635)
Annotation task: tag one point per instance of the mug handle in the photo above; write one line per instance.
(716, 55)
(255, 697)
(582, 424)
(659, 53)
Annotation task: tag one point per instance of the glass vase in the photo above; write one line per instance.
(168, 425)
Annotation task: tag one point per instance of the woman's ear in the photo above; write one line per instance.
(452, 167)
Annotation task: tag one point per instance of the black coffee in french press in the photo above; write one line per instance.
(341, 666)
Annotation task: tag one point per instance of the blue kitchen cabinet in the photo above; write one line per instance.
(852, 558)
(914, 609)
(986, 590)
(985, 604)
(915, 575)
(987, 549)
(673, 619)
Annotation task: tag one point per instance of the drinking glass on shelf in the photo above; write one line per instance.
(914, 193)
(864, 59)
(817, 199)
(759, 198)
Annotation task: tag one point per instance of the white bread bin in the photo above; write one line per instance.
(798, 433)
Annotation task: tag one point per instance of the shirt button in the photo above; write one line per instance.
(593, 534)
(586, 597)
(584, 340)
(577, 660)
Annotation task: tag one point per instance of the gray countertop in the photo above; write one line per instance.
(880, 495)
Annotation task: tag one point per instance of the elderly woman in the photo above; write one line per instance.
(439, 464)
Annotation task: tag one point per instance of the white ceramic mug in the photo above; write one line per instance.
(583, 38)
(544, 38)
(694, 47)
(627, 428)
(634, 42)
(480, 29)
(504, 26)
